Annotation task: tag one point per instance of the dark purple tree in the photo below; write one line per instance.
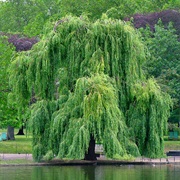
(142, 20)
(22, 43)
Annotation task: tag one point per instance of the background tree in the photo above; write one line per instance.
(8, 112)
(89, 86)
(162, 40)
(151, 19)
(119, 9)
(18, 14)
(8, 108)
(164, 61)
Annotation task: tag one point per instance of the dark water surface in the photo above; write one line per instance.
(164, 172)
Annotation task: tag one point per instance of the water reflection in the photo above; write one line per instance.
(90, 173)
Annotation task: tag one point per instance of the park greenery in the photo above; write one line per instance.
(91, 77)
(23, 144)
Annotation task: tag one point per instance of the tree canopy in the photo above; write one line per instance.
(18, 13)
(27, 16)
(118, 9)
(88, 81)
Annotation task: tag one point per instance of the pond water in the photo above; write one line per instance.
(130, 172)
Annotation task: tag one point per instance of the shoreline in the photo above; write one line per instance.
(90, 163)
(26, 160)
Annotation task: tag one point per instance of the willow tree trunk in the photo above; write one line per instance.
(10, 133)
(91, 150)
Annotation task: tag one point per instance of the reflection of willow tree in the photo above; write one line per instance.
(89, 87)
(66, 172)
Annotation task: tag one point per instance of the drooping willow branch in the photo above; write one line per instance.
(88, 80)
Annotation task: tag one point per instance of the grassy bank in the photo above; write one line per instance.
(171, 145)
(22, 145)
(15, 161)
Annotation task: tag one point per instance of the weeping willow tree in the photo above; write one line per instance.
(89, 87)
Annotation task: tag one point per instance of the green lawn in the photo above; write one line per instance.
(21, 144)
(171, 145)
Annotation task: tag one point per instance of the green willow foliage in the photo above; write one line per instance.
(87, 80)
